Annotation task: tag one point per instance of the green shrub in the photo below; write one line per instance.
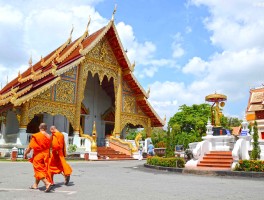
(72, 148)
(250, 165)
(166, 162)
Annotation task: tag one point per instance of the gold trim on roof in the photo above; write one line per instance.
(11, 92)
(61, 58)
(32, 76)
(52, 71)
(57, 52)
(35, 93)
(69, 66)
(20, 93)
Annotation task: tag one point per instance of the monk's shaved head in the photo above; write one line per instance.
(43, 126)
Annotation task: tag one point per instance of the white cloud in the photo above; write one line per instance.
(177, 49)
(195, 66)
(236, 24)
(142, 53)
(238, 28)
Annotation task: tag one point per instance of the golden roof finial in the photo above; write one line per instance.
(41, 59)
(7, 79)
(30, 61)
(133, 66)
(70, 38)
(19, 75)
(148, 92)
(113, 15)
(88, 24)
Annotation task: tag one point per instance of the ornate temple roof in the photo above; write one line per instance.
(256, 100)
(46, 73)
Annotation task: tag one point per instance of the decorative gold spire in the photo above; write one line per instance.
(7, 79)
(30, 61)
(113, 15)
(88, 24)
(70, 38)
(148, 92)
(94, 129)
(133, 66)
(41, 59)
(62, 57)
(94, 136)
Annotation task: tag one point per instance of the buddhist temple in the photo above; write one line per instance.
(255, 109)
(86, 88)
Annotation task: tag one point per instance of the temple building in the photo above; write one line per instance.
(255, 109)
(82, 87)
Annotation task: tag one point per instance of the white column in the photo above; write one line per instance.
(2, 138)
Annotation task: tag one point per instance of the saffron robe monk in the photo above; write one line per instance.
(40, 143)
(58, 163)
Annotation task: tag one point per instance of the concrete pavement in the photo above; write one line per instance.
(125, 180)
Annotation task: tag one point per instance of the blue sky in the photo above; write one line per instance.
(184, 50)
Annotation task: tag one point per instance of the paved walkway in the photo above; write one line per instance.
(127, 180)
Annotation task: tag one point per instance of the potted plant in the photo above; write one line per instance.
(161, 149)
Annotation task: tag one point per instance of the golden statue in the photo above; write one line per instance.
(216, 111)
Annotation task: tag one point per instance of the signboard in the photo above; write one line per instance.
(20, 152)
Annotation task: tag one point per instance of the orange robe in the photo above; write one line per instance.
(58, 163)
(40, 145)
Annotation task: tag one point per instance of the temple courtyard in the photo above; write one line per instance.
(126, 180)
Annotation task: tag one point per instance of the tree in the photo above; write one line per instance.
(191, 118)
(158, 135)
(255, 154)
(228, 122)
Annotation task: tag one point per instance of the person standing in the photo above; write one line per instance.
(57, 163)
(140, 149)
(40, 144)
(151, 149)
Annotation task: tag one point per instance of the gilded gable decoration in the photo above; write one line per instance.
(36, 92)
(129, 104)
(134, 120)
(37, 106)
(65, 91)
(126, 88)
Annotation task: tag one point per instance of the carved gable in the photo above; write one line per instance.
(103, 52)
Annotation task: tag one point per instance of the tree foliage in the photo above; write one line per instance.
(255, 154)
(228, 122)
(191, 119)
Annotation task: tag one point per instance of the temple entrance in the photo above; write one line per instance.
(99, 97)
(33, 125)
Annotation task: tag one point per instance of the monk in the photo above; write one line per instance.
(40, 144)
(58, 163)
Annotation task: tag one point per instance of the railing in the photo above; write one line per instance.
(121, 146)
(70, 140)
(201, 149)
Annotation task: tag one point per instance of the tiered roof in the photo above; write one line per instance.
(255, 103)
(45, 73)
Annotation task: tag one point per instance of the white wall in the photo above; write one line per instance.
(12, 125)
(98, 102)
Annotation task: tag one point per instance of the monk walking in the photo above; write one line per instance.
(58, 163)
(40, 143)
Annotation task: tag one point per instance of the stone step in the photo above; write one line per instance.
(217, 161)
(107, 153)
(217, 157)
(216, 165)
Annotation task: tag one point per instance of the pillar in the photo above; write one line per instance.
(23, 122)
(2, 137)
(149, 128)
(79, 99)
(118, 104)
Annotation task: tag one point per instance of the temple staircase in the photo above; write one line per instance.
(107, 153)
(217, 159)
